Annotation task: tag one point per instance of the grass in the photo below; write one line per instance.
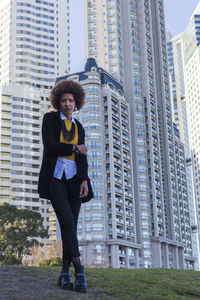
(103, 284)
(146, 283)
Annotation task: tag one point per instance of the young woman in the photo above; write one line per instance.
(64, 173)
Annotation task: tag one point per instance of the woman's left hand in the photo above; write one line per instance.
(83, 189)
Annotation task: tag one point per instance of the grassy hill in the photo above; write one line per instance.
(39, 283)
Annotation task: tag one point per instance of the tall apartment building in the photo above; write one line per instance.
(183, 60)
(103, 35)
(107, 227)
(34, 50)
(133, 46)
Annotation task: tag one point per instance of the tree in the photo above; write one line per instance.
(19, 230)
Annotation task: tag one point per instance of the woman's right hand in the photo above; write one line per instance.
(82, 149)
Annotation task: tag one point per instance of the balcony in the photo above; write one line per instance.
(130, 204)
(128, 194)
(115, 104)
(127, 184)
(116, 123)
(115, 131)
(119, 200)
(129, 213)
(130, 233)
(125, 155)
(118, 180)
(126, 147)
(129, 223)
(125, 129)
(127, 175)
(115, 114)
(118, 171)
(127, 166)
(118, 152)
(116, 160)
(124, 110)
(116, 142)
(126, 138)
(120, 231)
(124, 120)
(118, 190)
(119, 210)
(121, 221)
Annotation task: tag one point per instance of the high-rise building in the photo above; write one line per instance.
(34, 50)
(184, 60)
(34, 42)
(103, 38)
(107, 227)
(137, 41)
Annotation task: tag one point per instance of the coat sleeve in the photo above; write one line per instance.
(51, 145)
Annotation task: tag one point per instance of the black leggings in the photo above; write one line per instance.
(66, 203)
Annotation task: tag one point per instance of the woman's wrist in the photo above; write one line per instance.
(75, 149)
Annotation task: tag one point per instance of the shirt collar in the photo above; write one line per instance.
(64, 118)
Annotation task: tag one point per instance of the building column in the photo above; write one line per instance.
(165, 256)
(114, 251)
(127, 258)
(156, 254)
(89, 254)
(136, 258)
(175, 257)
(181, 258)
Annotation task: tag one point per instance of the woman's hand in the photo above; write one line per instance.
(81, 148)
(83, 189)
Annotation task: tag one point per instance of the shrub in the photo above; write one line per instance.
(52, 262)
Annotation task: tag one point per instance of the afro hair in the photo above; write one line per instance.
(67, 86)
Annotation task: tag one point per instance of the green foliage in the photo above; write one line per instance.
(19, 230)
(52, 262)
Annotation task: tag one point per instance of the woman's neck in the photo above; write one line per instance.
(68, 116)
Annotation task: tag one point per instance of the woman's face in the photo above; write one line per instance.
(67, 104)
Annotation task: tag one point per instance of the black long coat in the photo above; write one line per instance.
(51, 129)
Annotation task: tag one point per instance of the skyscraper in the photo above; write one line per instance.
(34, 49)
(183, 53)
(107, 229)
(134, 32)
(103, 38)
(34, 42)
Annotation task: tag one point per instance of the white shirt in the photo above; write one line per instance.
(63, 164)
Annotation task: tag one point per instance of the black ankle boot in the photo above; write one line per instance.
(80, 281)
(65, 281)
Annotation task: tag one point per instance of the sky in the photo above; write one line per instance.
(77, 35)
(178, 13)
(177, 16)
